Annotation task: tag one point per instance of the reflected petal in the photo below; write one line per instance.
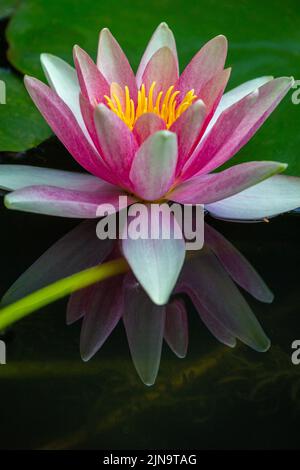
(144, 324)
(237, 265)
(176, 328)
(77, 250)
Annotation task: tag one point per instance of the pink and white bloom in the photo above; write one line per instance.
(157, 135)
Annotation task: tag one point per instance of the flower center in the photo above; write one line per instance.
(165, 105)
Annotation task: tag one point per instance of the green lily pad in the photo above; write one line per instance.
(263, 38)
(7, 7)
(22, 126)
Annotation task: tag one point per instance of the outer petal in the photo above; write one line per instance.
(116, 141)
(113, 63)
(153, 168)
(14, 177)
(204, 276)
(236, 126)
(52, 200)
(162, 37)
(65, 126)
(188, 128)
(92, 83)
(63, 79)
(235, 95)
(271, 197)
(237, 266)
(104, 308)
(204, 65)
(155, 259)
(77, 250)
(144, 324)
(147, 124)
(161, 69)
(176, 328)
(205, 189)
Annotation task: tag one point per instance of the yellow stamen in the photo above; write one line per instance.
(165, 105)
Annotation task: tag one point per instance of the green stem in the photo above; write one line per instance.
(13, 312)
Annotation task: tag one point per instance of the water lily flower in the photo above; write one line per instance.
(208, 277)
(156, 135)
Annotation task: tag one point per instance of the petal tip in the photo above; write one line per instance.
(163, 25)
(265, 346)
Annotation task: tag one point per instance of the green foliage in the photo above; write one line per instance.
(7, 7)
(22, 126)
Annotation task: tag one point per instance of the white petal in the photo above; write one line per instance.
(63, 79)
(273, 196)
(14, 177)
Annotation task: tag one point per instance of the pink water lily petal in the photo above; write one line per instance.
(211, 93)
(217, 329)
(205, 189)
(144, 324)
(204, 65)
(188, 129)
(87, 111)
(161, 69)
(237, 265)
(113, 63)
(162, 37)
(92, 83)
(153, 168)
(63, 79)
(117, 143)
(235, 126)
(76, 307)
(205, 276)
(104, 308)
(176, 328)
(79, 249)
(64, 125)
(51, 200)
(235, 95)
(147, 124)
(267, 199)
(14, 177)
(156, 256)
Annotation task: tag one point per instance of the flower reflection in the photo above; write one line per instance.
(208, 277)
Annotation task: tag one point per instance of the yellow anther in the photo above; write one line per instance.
(165, 105)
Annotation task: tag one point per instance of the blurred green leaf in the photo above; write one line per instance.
(264, 39)
(7, 7)
(22, 126)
